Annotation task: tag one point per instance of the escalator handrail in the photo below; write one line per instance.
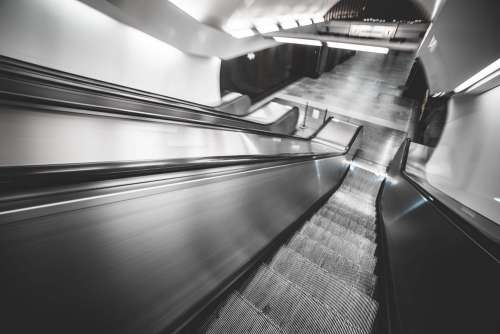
(482, 230)
(24, 177)
(23, 72)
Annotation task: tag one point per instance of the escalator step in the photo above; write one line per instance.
(239, 316)
(353, 273)
(361, 197)
(292, 308)
(345, 233)
(336, 244)
(349, 204)
(347, 219)
(343, 298)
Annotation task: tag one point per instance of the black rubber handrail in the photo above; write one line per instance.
(34, 84)
(33, 176)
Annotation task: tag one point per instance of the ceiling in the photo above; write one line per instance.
(234, 14)
(201, 27)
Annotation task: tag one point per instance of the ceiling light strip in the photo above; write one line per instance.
(484, 81)
(241, 33)
(267, 28)
(301, 41)
(305, 22)
(479, 77)
(358, 47)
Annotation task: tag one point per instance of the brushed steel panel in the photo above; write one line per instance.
(133, 265)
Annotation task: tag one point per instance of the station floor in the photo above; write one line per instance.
(366, 89)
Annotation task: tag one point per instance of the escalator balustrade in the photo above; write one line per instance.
(323, 280)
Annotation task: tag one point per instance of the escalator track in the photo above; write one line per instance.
(322, 280)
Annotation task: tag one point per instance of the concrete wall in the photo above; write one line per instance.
(70, 36)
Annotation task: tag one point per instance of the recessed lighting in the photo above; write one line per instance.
(301, 41)
(266, 28)
(479, 76)
(482, 82)
(358, 47)
(289, 24)
(305, 21)
(241, 33)
(318, 19)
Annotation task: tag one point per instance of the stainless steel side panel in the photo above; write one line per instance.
(137, 263)
(39, 137)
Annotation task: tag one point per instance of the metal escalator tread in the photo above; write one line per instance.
(358, 194)
(338, 245)
(341, 231)
(345, 299)
(292, 308)
(348, 203)
(323, 280)
(357, 225)
(351, 272)
(239, 316)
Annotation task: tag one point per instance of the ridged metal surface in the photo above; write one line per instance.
(358, 308)
(323, 280)
(360, 276)
(337, 244)
(345, 233)
(294, 309)
(239, 316)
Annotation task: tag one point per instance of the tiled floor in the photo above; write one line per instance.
(367, 90)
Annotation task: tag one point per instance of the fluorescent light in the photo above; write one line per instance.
(289, 24)
(358, 47)
(476, 78)
(485, 80)
(305, 21)
(301, 41)
(241, 33)
(497, 199)
(318, 19)
(268, 27)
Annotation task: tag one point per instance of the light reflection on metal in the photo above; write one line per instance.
(356, 164)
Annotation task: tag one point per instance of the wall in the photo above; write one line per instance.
(465, 164)
(462, 40)
(70, 36)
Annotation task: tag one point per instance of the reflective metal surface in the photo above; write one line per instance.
(42, 137)
(269, 113)
(322, 281)
(336, 133)
(134, 262)
(440, 278)
(465, 163)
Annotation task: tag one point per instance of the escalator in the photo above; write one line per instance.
(322, 280)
